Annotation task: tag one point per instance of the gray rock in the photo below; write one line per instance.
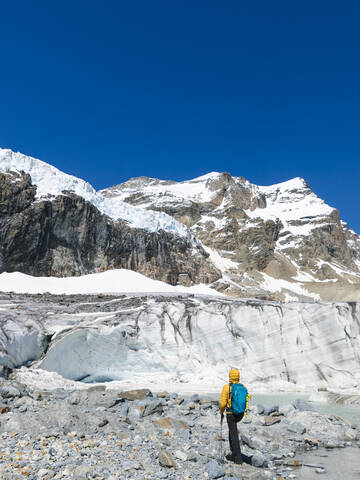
(181, 455)
(154, 406)
(351, 435)
(269, 420)
(163, 394)
(43, 472)
(82, 472)
(296, 427)
(258, 460)
(139, 394)
(195, 398)
(103, 422)
(74, 398)
(166, 459)
(273, 409)
(303, 406)
(124, 410)
(252, 441)
(286, 410)
(192, 457)
(9, 391)
(214, 470)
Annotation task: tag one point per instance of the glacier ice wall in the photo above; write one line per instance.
(22, 339)
(197, 339)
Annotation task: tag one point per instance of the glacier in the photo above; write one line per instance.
(193, 340)
(50, 181)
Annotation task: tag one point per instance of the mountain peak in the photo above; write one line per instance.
(288, 185)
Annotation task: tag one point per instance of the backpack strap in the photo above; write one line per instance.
(229, 398)
(247, 401)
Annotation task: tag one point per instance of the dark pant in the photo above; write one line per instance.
(232, 421)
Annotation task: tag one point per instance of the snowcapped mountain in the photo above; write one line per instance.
(53, 224)
(52, 182)
(280, 242)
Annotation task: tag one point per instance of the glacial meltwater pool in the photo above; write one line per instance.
(348, 412)
(339, 463)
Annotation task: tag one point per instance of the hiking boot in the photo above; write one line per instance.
(229, 457)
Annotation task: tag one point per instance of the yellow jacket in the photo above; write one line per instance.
(225, 399)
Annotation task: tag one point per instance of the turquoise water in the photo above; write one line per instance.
(340, 463)
(348, 412)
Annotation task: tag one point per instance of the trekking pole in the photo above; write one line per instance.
(221, 440)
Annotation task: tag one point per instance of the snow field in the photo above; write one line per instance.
(111, 281)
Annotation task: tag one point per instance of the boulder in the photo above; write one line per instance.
(269, 420)
(139, 394)
(173, 425)
(303, 406)
(296, 427)
(74, 398)
(311, 440)
(270, 410)
(163, 394)
(82, 472)
(351, 435)
(166, 459)
(258, 460)
(154, 406)
(195, 398)
(103, 422)
(214, 470)
(181, 455)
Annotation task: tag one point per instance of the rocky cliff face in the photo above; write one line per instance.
(67, 236)
(280, 241)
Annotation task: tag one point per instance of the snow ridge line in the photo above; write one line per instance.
(52, 181)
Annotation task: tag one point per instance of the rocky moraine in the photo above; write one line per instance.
(101, 433)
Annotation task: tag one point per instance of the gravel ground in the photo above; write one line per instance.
(107, 434)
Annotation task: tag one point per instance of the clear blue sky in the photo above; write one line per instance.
(110, 90)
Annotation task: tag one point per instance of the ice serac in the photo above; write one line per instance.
(280, 242)
(21, 340)
(195, 340)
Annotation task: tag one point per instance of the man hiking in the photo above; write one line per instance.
(234, 399)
